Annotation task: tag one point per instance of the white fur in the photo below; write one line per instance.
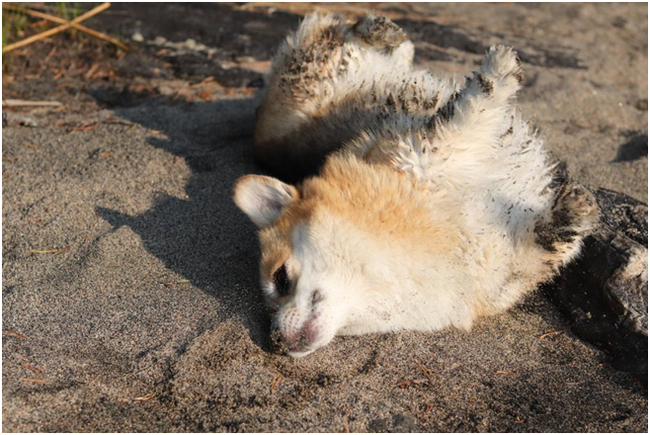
(474, 166)
(263, 202)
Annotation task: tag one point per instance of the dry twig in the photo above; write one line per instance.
(275, 382)
(34, 380)
(550, 334)
(145, 397)
(62, 21)
(428, 408)
(426, 372)
(25, 103)
(49, 251)
(83, 127)
(13, 334)
(409, 382)
(36, 370)
(54, 31)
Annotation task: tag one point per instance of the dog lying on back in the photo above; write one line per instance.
(435, 202)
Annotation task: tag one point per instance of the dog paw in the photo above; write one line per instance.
(379, 31)
(502, 63)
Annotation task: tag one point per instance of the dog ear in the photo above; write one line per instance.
(263, 199)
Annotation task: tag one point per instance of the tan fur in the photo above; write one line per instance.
(387, 204)
(435, 204)
(384, 201)
(275, 241)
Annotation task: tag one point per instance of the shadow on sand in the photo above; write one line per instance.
(202, 237)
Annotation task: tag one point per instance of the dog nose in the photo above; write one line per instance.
(278, 345)
(282, 345)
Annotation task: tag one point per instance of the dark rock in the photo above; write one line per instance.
(403, 423)
(635, 148)
(624, 214)
(604, 292)
(378, 425)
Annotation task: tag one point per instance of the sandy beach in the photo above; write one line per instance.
(130, 281)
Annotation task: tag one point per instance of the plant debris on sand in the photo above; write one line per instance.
(130, 288)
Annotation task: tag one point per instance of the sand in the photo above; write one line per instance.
(149, 316)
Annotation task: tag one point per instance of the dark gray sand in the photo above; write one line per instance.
(150, 318)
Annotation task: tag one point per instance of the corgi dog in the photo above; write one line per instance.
(434, 202)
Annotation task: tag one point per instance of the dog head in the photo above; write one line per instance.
(337, 250)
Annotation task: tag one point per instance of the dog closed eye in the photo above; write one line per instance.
(281, 281)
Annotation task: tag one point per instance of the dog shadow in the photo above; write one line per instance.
(202, 237)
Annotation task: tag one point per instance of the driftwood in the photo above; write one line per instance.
(604, 293)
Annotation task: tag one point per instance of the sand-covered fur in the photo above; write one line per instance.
(439, 206)
(158, 296)
(333, 79)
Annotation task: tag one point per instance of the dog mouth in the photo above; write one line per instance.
(296, 344)
(300, 354)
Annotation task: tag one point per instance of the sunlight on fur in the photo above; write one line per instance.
(434, 203)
